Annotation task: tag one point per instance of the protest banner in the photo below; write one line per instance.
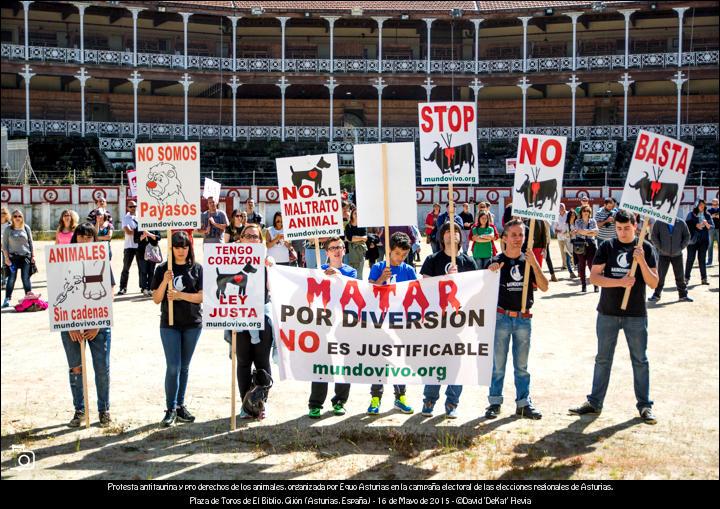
(79, 293)
(655, 183)
(211, 189)
(538, 184)
(333, 328)
(132, 183)
(168, 188)
(390, 166)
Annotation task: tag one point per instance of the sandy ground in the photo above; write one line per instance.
(683, 353)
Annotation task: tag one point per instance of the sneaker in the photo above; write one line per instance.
(401, 404)
(427, 408)
(169, 419)
(529, 412)
(374, 408)
(315, 413)
(338, 409)
(450, 411)
(492, 411)
(77, 419)
(704, 282)
(553, 278)
(686, 299)
(646, 414)
(122, 291)
(654, 298)
(183, 415)
(585, 408)
(105, 419)
(572, 275)
(244, 414)
(6, 303)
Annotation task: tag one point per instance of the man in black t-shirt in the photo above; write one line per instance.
(511, 323)
(610, 271)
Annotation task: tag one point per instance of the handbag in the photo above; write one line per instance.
(33, 268)
(153, 254)
(579, 246)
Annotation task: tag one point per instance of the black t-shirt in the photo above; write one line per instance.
(466, 217)
(437, 264)
(188, 279)
(512, 276)
(354, 231)
(715, 211)
(617, 259)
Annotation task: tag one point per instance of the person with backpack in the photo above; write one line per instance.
(17, 246)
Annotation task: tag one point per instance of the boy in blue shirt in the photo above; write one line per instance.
(381, 274)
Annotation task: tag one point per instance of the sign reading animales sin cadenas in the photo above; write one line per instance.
(168, 185)
(656, 177)
(234, 286)
(539, 176)
(79, 291)
(448, 143)
(310, 196)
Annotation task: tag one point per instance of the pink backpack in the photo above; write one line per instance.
(31, 302)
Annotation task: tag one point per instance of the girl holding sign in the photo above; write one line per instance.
(179, 341)
(99, 342)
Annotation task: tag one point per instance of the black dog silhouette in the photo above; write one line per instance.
(314, 175)
(238, 279)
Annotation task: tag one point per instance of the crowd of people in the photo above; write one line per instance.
(593, 245)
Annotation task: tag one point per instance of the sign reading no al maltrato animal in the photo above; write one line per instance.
(539, 176)
(656, 177)
(448, 143)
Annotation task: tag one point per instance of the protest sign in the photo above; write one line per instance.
(234, 286)
(510, 165)
(448, 143)
(333, 328)
(211, 189)
(79, 291)
(656, 177)
(310, 200)
(539, 176)
(168, 185)
(132, 183)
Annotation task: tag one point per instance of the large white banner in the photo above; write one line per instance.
(437, 330)
(310, 200)
(168, 185)
(448, 143)
(539, 176)
(401, 184)
(234, 286)
(78, 280)
(656, 177)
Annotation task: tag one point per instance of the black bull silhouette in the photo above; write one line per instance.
(452, 159)
(656, 193)
(543, 190)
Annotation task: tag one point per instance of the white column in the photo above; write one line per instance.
(185, 17)
(282, 20)
(234, 84)
(135, 79)
(681, 13)
(573, 84)
(81, 9)
(524, 84)
(379, 84)
(27, 76)
(135, 11)
(380, 20)
(477, 22)
(428, 86)
(26, 8)
(428, 22)
(83, 77)
(186, 82)
(574, 17)
(331, 22)
(626, 82)
(234, 20)
(679, 79)
(476, 85)
(627, 13)
(283, 83)
(525, 20)
(331, 84)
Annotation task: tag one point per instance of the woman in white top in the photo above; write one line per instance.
(277, 246)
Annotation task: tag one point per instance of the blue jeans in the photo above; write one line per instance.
(635, 329)
(452, 394)
(519, 329)
(179, 346)
(22, 265)
(100, 351)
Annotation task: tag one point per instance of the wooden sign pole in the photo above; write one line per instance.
(386, 205)
(451, 212)
(526, 278)
(83, 366)
(233, 423)
(633, 267)
(318, 260)
(171, 315)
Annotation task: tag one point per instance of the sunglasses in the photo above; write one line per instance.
(132, 207)
(17, 217)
